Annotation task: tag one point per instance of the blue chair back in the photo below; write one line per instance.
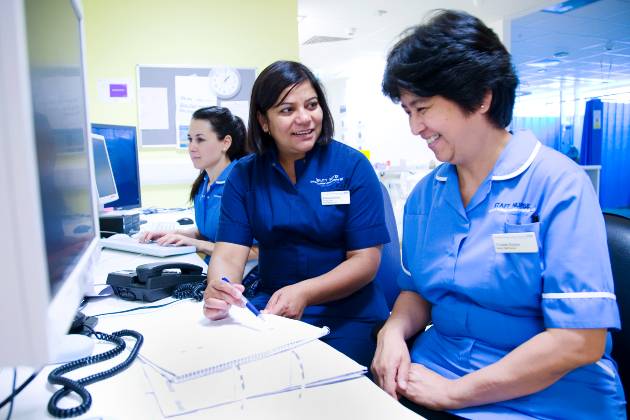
(618, 236)
(387, 275)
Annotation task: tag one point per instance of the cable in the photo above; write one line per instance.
(78, 387)
(12, 391)
(19, 389)
(136, 309)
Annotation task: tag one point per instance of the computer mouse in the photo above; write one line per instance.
(185, 221)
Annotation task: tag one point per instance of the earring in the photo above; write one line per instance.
(482, 106)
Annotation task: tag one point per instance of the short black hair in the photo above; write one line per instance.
(268, 87)
(454, 55)
(222, 123)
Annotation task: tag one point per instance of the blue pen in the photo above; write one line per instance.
(248, 305)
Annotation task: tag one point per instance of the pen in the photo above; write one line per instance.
(247, 303)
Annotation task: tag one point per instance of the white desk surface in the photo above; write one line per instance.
(128, 394)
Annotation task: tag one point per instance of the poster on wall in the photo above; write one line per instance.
(152, 109)
(191, 93)
(178, 91)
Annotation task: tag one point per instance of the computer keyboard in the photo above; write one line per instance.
(123, 242)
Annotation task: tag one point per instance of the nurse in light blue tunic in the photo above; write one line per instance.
(504, 248)
(216, 140)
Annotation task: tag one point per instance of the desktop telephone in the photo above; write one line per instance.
(153, 281)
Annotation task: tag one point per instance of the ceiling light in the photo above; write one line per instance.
(567, 6)
(545, 62)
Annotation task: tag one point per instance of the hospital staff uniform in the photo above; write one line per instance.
(485, 303)
(207, 204)
(305, 229)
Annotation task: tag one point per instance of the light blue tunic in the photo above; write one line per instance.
(484, 303)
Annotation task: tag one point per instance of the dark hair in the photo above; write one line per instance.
(266, 92)
(454, 55)
(222, 123)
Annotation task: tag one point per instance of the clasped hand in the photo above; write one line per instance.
(396, 375)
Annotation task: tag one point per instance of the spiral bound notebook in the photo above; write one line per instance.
(196, 346)
(309, 365)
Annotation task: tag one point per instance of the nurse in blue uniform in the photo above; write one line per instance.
(504, 248)
(316, 209)
(216, 140)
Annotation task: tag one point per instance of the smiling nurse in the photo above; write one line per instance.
(316, 209)
(504, 247)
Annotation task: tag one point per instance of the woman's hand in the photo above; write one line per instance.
(288, 302)
(177, 239)
(391, 361)
(219, 296)
(428, 389)
(145, 237)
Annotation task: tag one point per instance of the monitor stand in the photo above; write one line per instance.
(76, 344)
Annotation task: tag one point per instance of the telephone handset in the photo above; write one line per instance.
(153, 281)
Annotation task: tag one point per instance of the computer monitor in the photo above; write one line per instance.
(122, 146)
(103, 171)
(49, 205)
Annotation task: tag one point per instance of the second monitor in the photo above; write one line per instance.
(123, 153)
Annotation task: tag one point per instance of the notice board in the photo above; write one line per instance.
(167, 96)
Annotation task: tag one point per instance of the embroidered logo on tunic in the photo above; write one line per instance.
(322, 182)
(517, 206)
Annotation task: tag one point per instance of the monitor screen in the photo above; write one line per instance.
(103, 171)
(50, 242)
(122, 147)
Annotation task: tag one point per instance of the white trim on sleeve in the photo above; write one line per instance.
(579, 295)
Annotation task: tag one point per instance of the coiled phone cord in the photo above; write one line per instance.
(78, 387)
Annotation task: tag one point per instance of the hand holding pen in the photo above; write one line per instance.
(220, 295)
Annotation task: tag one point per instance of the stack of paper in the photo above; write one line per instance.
(192, 363)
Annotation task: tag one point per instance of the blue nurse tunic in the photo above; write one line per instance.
(207, 204)
(300, 238)
(486, 303)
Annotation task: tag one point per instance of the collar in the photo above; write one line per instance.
(516, 158)
(221, 178)
(225, 172)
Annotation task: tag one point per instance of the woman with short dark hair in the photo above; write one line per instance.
(504, 248)
(316, 209)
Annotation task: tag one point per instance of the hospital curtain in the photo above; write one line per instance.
(615, 156)
(546, 129)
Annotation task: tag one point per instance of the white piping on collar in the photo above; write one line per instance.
(522, 168)
(219, 182)
(440, 178)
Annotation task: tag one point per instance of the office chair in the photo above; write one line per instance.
(387, 275)
(618, 235)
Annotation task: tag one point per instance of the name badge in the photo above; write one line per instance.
(331, 198)
(521, 242)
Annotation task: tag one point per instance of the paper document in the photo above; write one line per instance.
(196, 346)
(310, 365)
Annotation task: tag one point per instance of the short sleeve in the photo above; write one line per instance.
(411, 229)
(578, 290)
(234, 226)
(365, 225)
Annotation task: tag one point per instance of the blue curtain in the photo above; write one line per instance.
(546, 129)
(591, 146)
(614, 189)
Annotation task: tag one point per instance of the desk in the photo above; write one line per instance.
(128, 395)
